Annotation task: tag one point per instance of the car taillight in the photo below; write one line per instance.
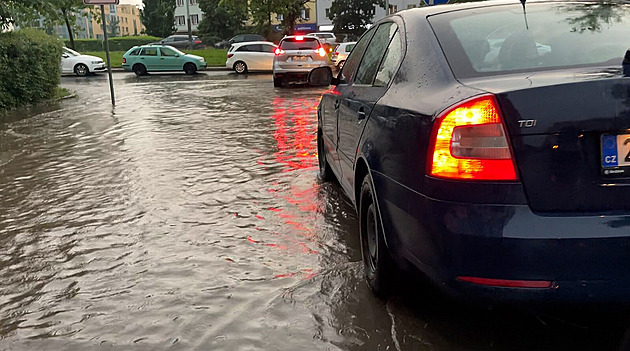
(321, 51)
(124, 60)
(279, 51)
(336, 53)
(299, 38)
(230, 55)
(469, 142)
(197, 41)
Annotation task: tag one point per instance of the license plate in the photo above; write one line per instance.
(299, 58)
(616, 155)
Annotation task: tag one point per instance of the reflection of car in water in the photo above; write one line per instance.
(496, 166)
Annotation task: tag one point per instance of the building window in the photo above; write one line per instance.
(411, 6)
(112, 8)
(328, 12)
(194, 19)
(305, 14)
(193, 2)
(280, 17)
(180, 2)
(180, 20)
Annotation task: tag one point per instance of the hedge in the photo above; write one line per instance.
(115, 43)
(29, 67)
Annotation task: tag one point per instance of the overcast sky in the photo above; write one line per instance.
(134, 2)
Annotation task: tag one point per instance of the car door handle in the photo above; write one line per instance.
(337, 104)
(161, 58)
(361, 113)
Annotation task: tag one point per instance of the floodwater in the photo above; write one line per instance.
(190, 217)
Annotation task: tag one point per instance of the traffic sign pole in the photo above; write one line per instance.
(109, 66)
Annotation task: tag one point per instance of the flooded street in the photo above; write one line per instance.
(190, 217)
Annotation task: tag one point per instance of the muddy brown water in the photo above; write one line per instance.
(190, 217)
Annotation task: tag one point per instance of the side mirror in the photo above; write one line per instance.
(322, 76)
(176, 55)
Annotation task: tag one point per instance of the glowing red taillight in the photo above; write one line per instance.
(320, 51)
(336, 53)
(230, 55)
(469, 142)
(124, 60)
(299, 38)
(279, 51)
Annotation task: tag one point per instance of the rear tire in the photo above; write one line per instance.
(190, 68)
(139, 69)
(277, 82)
(325, 172)
(240, 67)
(377, 264)
(81, 70)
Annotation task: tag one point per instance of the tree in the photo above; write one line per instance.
(222, 18)
(24, 12)
(353, 16)
(158, 17)
(112, 27)
(262, 12)
(291, 11)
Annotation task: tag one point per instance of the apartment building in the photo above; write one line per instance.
(180, 15)
(123, 20)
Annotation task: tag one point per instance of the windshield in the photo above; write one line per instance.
(304, 44)
(499, 39)
(70, 52)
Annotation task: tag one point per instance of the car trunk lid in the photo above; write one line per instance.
(559, 123)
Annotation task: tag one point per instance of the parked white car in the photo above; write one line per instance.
(251, 56)
(341, 52)
(81, 65)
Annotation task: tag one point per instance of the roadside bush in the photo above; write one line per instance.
(29, 67)
(115, 43)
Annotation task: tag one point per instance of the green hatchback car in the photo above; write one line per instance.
(158, 58)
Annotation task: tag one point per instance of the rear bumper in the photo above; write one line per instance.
(585, 259)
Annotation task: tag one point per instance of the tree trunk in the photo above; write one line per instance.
(64, 12)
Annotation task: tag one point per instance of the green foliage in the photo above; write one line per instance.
(223, 18)
(115, 44)
(158, 16)
(352, 16)
(29, 67)
(291, 10)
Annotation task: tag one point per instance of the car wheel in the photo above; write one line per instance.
(340, 64)
(377, 263)
(240, 67)
(190, 68)
(81, 70)
(325, 173)
(139, 69)
(277, 82)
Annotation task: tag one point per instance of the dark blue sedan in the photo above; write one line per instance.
(487, 145)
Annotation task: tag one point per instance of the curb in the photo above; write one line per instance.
(120, 70)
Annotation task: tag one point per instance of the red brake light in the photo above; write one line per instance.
(124, 60)
(279, 51)
(197, 41)
(336, 53)
(321, 51)
(230, 55)
(469, 142)
(299, 38)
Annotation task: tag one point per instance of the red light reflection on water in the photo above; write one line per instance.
(295, 122)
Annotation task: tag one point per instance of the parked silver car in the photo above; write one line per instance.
(341, 53)
(295, 57)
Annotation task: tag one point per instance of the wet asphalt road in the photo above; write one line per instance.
(190, 217)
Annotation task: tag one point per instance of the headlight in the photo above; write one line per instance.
(96, 62)
(202, 59)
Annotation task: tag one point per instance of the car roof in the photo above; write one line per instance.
(435, 10)
(236, 45)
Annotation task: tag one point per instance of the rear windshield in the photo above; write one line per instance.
(495, 40)
(294, 44)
